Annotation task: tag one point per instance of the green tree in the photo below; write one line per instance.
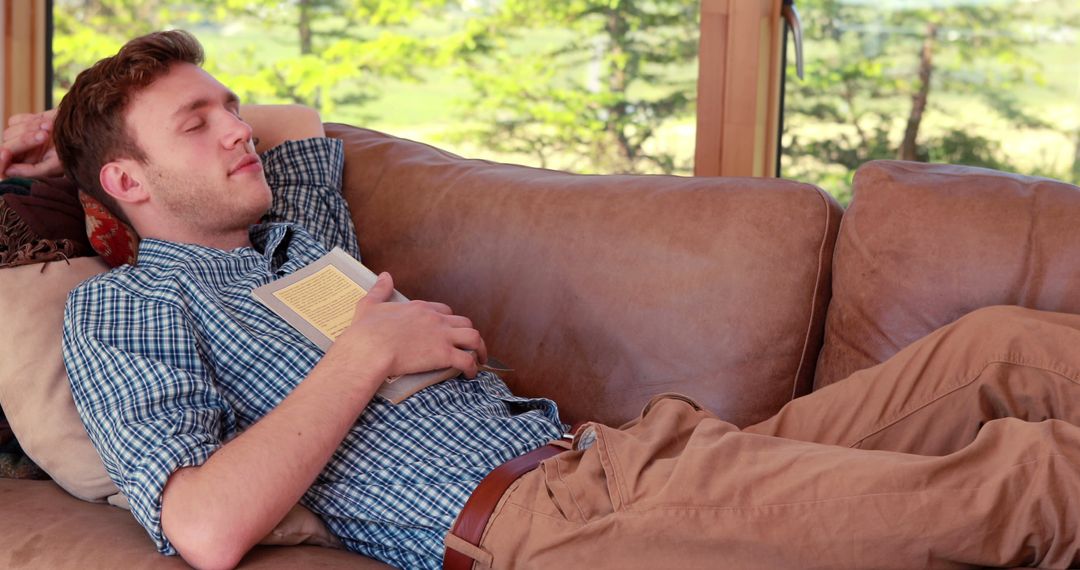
(881, 71)
(594, 98)
(340, 45)
(85, 31)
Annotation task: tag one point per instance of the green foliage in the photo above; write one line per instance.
(340, 44)
(863, 85)
(591, 85)
(591, 101)
(85, 32)
(962, 147)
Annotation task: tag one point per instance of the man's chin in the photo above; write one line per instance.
(261, 215)
(265, 198)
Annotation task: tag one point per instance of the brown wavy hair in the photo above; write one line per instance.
(89, 130)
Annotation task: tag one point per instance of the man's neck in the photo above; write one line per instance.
(224, 241)
(227, 242)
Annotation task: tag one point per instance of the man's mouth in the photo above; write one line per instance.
(249, 163)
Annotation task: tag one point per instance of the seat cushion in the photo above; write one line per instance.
(923, 244)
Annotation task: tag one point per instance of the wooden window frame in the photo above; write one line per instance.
(739, 82)
(24, 53)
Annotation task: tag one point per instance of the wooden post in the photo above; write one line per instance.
(22, 84)
(738, 88)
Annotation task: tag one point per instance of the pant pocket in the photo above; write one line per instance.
(577, 485)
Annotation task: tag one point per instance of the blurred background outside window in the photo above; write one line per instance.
(586, 85)
(603, 86)
(992, 83)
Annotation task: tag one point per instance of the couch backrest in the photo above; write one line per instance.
(923, 244)
(601, 291)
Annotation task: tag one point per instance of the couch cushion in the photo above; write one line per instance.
(34, 389)
(112, 238)
(43, 527)
(601, 291)
(923, 244)
(36, 394)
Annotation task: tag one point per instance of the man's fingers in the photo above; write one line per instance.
(470, 339)
(48, 165)
(35, 138)
(383, 289)
(27, 141)
(440, 307)
(26, 129)
(459, 321)
(465, 362)
(481, 353)
(20, 118)
(45, 168)
(31, 148)
(44, 117)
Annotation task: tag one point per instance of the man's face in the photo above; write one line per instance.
(201, 169)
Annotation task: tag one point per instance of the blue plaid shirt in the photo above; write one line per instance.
(173, 357)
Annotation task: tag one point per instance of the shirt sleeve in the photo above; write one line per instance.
(142, 391)
(305, 178)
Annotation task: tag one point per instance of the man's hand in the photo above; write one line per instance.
(27, 149)
(403, 338)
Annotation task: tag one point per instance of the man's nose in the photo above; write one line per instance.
(237, 132)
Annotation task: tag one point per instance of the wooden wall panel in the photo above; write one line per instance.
(738, 88)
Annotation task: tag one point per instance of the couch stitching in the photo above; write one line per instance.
(814, 295)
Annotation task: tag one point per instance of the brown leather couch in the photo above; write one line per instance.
(601, 291)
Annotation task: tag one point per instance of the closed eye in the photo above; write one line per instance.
(195, 127)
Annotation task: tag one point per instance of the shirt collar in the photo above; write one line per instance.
(268, 240)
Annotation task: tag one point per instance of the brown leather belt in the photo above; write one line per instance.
(477, 511)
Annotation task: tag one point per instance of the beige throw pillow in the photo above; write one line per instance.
(36, 395)
(34, 390)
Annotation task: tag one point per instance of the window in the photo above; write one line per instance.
(989, 83)
(590, 86)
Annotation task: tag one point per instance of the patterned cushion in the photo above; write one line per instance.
(113, 239)
(40, 220)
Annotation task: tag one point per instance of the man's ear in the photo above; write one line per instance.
(121, 181)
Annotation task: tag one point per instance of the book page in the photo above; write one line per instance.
(326, 299)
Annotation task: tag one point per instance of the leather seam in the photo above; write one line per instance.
(813, 296)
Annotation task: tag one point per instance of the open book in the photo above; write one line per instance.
(319, 301)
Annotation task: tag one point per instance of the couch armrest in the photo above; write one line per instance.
(601, 291)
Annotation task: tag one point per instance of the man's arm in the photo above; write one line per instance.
(272, 125)
(214, 513)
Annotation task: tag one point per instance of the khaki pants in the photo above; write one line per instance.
(960, 451)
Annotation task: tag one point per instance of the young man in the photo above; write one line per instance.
(214, 417)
